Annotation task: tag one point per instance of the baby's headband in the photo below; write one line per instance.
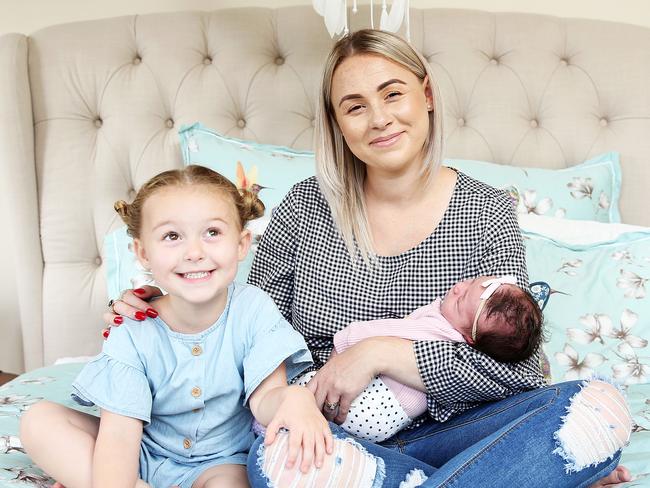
(490, 287)
(335, 13)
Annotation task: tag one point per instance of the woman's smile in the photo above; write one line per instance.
(387, 141)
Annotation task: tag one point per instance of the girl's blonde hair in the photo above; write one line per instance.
(248, 205)
(340, 173)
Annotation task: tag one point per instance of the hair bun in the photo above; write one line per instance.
(252, 206)
(122, 208)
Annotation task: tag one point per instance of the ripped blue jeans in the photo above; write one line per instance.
(527, 440)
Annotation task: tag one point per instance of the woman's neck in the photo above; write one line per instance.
(190, 318)
(403, 189)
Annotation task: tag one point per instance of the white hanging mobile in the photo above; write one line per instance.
(335, 13)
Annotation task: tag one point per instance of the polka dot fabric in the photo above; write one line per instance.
(375, 415)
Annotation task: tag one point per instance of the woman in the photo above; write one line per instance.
(383, 230)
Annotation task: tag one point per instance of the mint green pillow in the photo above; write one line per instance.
(598, 313)
(272, 170)
(587, 191)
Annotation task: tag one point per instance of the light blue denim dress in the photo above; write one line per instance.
(191, 390)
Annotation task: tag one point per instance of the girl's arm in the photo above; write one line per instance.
(117, 451)
(278, 405)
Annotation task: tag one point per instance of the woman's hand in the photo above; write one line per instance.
(620, 475)
(342, 379)
(308, 429)
(133, 304)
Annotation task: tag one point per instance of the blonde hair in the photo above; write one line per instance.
(340, 173)
(247, 204)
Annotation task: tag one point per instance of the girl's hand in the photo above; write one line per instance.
(342, 379)
(133, 304)
(308, 429)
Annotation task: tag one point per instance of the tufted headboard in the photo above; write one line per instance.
(90, 111)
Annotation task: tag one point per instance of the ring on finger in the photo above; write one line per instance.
(111, 305)
(331, 406)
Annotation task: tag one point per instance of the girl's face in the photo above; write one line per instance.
(382, 111)
(191, 241)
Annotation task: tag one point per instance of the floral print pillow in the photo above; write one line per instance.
(597, 318)
(587, 191)
(268, 170)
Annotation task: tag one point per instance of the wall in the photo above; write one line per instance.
(31, 15)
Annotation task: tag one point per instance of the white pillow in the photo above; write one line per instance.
(575, 231)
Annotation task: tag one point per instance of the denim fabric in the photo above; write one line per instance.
(508, 443)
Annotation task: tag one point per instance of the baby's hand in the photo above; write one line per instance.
(308, 429)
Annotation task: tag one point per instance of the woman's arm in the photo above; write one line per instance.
(273, 265)
(278, 405)
(457, 376)
(117, 451)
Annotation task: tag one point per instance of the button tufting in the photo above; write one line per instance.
(313, 122)
(207, 60)
(604, 122)
(534, 124)
(99, 122)
(131, 194)
(494, 61)
(461, 122)
(137, 60)
(169, 123)
(98, 261)
(241, 123)
(279, 60)
(564, 62)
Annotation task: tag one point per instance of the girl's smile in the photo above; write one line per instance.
(196, 276)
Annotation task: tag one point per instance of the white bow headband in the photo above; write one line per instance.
(490, 287)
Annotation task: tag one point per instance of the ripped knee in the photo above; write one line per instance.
(597, 424)
(348, 465)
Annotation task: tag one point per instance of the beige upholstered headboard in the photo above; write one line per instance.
(91, 110)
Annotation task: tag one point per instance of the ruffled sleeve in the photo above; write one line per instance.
(115, 380)
(273, 341)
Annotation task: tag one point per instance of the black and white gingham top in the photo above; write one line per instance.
(303, 264)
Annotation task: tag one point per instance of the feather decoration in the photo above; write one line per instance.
(335, 14)
(392, 21)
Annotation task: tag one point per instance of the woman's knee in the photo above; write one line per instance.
(596, 426)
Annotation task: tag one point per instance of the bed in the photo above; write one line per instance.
(93, 109)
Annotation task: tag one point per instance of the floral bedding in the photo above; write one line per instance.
(53, 383)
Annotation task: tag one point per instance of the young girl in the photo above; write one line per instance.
(491, 314)
(178, 391)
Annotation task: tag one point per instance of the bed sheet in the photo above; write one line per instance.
(54, 383)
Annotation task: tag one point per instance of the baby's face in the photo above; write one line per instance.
(460, 304)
